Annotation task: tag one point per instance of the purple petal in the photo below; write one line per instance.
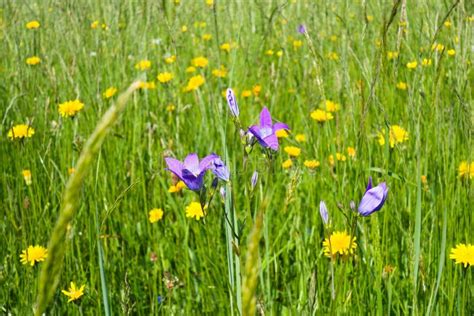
(191, 162)
(192, 181)
(323, 210)
(254, 179)
(220, 169)
(373, 200)
(369, 184)
(255, 131)
(271, 141)
(207, 161)
(232, 101)
(175, 166)
(265, 118)
(279, 126)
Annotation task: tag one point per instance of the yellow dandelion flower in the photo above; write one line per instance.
(256, 90)
(207, 37)
(74, 293)
(370, 18)
(339, 157)
(412, 64)
(27, 176)
(392, 55)
(331, 106)
(279, 53)
(451, 52)
(194, 83)
(339, 243)
(321, 116)
(225, 47)
(32, 25)
(220, 72)
(177, 187)
(269, 52)
(297, 44)
(281, 133)
(21, 131)
(402, 85)
(165, 77)
(466, 170)
(184, 29)
(71, 170)
(447, 24)
(170, 107)
(155, 215)
(463, 254)
(70, 108)
(170, 59)
(33, 254)
(351, 152)
(300, 138)
(143, 65)
(246, 93)
(333, 56)
(200, 62)
(210, 3)
(194, 210)
(311, 164)
(95, 25)
(34, 60)
(426, 62)
(437, 47)
(110, 92)
(287, 164)
(292, 151)
(397, 135)
(190, 69)
(424, 180)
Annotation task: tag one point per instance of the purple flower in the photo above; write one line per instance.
(301, 29)
(232, 101)
(191, 171)
(254, 179)
(373, 199)
(323, 210)
(265, 132)
(218, 168)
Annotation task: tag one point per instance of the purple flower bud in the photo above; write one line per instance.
(232, 101)
(301, 29)
(373, 199)
(323, 210)
(220, 169)
(254, 179)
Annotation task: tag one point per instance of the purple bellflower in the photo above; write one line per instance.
(301, 29)
(265, 132)
(219, 169)
(191, 171)
(232, 101)
(373, 199)
(323, 210)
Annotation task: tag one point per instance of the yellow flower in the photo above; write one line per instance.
(110, 92)
(466, 170)
(333, 38)
(451, 52)
(146, 85)
(155, 215)
(256, 90)
(33, 254)
(437, 47)
(311, 164)
(32, 25)
(339, 243)
(71, 170)
(269, 52)
(194, 83)
(220, 72)
(200, 62)
(447, 24)
(332, 106)
(292, 151)
(184, 29)
(351, 152)
(412, 64)
(170, 107)
(21, 131)
(207, 37)
(370, 18)
(191, 69)
(194, 210)
(300, 138)
(143, 65)
(95, 25)
(426, 62)
(392, 55)
(70, 108)
(397, 135)
(279, 53)
(177, 187)
(333, 56)
(287, 164)
(170, 59)
(34, 60)
(210, 3)
(339, 157)
(424, 180)
(225, 47)
(73, 292)
(402, 85)
(297, 44)
(321, 116)
(246, 93)
(463, 254)
(281, 133)
(165, 77)
(27, 176)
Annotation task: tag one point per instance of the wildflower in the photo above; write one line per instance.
(466, 170)
(200, 62)
(401, 85)
(392, 55)
(32, 25)
(339, 243)
(194, 210)
(311, 164)
(451, 52)
(397, 135)
(27, 176)
(74, 293)
(301, 29)
(437, 47)
(177, 187)
(339, 157)
(225, 47)
(447, 24)
(71, 170)
(146, 85)
(210, 3)
(287, 164)
(292, 151)
(110, 92)
(246, 93)
(165, 77)
(321, 116)
(184, 29)
(33, 254)
(412, 64)
(426, 62)
(170, 59)
(35, 60)
(279, 53)
(95, 25)
(463, 254)
(297, 44)
(323, 210)
(424, 180)
(300, 138)
(351, 152)
(370, 18)
(143, 65)
(21, 131)
(333, 56)
(269, 52)
(232, 102)
(256, 90)
(265, 132)
(331, 106)
(281, 133)
(220, 72)
(207, 37)
(190, 69)
(194, 83)
(70, 108)
(219, 169)
(155, 215)
(170, 107)
(254, 179)
(373, 199)
(191, 171)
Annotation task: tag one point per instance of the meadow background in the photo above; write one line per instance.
(354, 53)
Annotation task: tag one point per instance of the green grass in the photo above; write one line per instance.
(110, 240)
